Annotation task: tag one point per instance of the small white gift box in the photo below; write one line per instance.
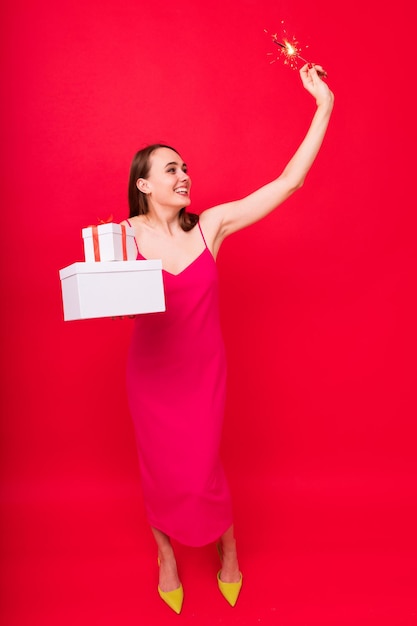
(109, 242)
(107, 289)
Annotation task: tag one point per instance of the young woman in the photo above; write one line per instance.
(176, 365)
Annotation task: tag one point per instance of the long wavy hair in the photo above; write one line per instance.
(138, 201)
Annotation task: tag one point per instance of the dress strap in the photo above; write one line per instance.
(204, 239)
(136, 243)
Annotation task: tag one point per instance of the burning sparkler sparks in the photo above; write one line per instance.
(290, 50)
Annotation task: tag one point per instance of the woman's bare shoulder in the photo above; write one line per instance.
(133, 221)
(212, 216)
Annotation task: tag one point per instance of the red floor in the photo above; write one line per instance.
(311, 553)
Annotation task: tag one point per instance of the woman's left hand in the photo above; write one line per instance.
(310, 77)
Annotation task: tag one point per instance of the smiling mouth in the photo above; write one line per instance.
(182, 191)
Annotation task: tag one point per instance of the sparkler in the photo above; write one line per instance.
(291, 53)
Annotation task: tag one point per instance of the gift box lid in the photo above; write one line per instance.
(104, 267)
(105, 229)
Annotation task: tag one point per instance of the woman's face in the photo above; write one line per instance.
(167, 183)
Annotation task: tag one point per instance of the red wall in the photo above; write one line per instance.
(317, 301)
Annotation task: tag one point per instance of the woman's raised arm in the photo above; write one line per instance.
(225, 219)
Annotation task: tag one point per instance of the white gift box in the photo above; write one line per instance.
(110, 243)
(107, 289)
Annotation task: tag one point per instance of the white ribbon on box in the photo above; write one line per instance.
(109, 242)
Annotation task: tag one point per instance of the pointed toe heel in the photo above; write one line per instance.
(230, 591)
(173, 599)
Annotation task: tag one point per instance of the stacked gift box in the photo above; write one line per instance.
(111, 282)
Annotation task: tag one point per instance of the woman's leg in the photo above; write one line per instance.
(230, 572)
(168, 574)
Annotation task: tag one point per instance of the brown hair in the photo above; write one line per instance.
(138, 202)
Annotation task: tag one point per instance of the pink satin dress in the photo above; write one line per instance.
(176, 381)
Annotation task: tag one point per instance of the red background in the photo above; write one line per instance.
(317, 302)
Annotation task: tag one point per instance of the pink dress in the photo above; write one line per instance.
(176, 380)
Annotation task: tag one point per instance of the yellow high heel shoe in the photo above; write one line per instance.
(173, 599)
(230, 591)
